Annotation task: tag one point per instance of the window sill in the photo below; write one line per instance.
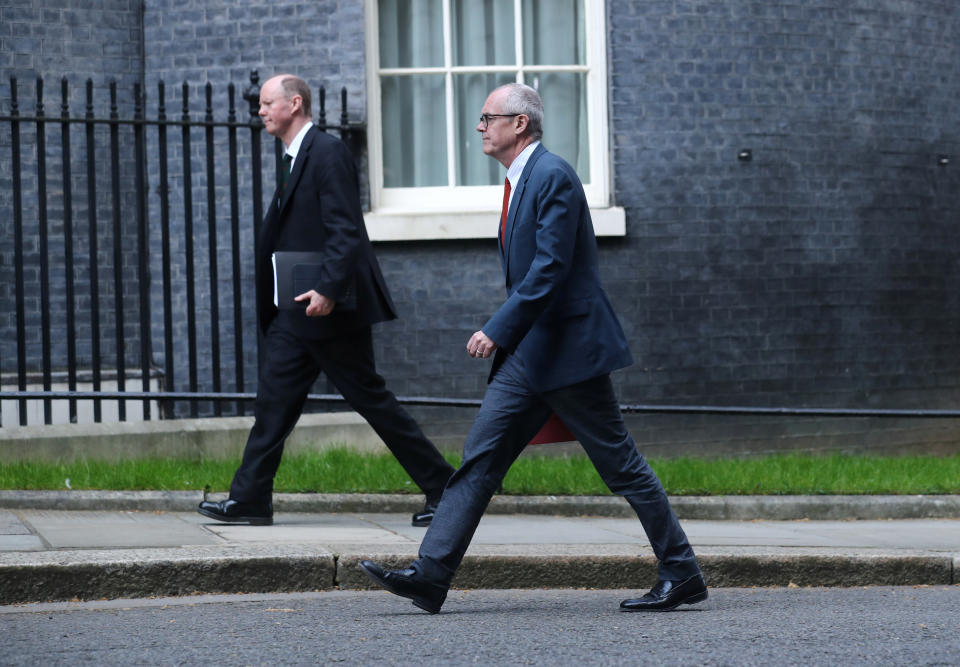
(444, 225)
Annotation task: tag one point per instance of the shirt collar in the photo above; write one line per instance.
(519, 162)
(294, 146)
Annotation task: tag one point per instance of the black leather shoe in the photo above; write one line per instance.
(668, 595)
(232, 511)
(425, 595)
(425, 516)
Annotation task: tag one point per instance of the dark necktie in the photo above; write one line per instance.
(285, 172)
(504, 210)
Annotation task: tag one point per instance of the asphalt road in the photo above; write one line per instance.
(782, 626)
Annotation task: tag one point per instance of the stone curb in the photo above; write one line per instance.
(712, 508)
(128, 573)
(110, 574)
(270, 568)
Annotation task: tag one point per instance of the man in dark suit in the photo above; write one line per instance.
(318, 209)
(556, 339)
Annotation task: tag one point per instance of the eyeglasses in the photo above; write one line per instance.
(485, 118)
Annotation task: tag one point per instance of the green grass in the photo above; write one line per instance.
(344, 471)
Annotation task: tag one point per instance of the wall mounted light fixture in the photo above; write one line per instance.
(943, 160)
(745, 155)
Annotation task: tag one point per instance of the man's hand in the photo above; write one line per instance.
(480, 346)
(319, 305)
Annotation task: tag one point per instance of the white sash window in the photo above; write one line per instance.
(432, 64)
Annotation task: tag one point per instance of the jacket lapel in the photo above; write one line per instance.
(271, 220)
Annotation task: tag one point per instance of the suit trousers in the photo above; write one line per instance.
(510, 415)
(290, 366)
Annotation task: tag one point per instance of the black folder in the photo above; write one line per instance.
(299, 272)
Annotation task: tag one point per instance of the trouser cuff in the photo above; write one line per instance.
(678, 571)
(433, 571)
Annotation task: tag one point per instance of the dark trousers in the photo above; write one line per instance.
(511, 414)
(290, 366)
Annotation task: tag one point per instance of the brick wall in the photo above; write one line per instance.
(824, 271)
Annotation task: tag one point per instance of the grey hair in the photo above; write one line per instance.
(294, 85)
(524, 99)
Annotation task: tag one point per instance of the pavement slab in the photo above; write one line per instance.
(80, 530)
(15, 535)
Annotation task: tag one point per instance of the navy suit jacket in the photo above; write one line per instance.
(556, 318)
(320, 212)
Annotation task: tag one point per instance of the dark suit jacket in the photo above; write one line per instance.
(556, 318)
(320, 212)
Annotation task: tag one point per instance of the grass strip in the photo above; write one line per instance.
(342, 470)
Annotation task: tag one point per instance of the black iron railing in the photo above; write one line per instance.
(105, 279)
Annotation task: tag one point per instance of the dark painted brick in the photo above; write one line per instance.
(814, 89)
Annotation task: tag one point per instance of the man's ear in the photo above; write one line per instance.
(522, 123)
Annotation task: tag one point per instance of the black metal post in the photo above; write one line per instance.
(212, 251)
(143, 242)
(117, 248)
(68, 250)
(235, 245)
(169, 384)
(44, 252)
(188, 248)
(18, 251)
(252, 96)
(95, 360)
(322, 113)
(347, 133)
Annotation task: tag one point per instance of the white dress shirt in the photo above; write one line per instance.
(516, 167)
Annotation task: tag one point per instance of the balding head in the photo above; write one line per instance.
(284, 106)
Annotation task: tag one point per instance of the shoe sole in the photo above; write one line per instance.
(693, 599)
(419, 602)
(252, 520)
(421, 523)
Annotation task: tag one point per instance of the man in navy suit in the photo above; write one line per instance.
(318, 209)
(555, 341)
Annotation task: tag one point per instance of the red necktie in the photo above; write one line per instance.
(505, 209)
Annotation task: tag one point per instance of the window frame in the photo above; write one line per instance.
(452, 211)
